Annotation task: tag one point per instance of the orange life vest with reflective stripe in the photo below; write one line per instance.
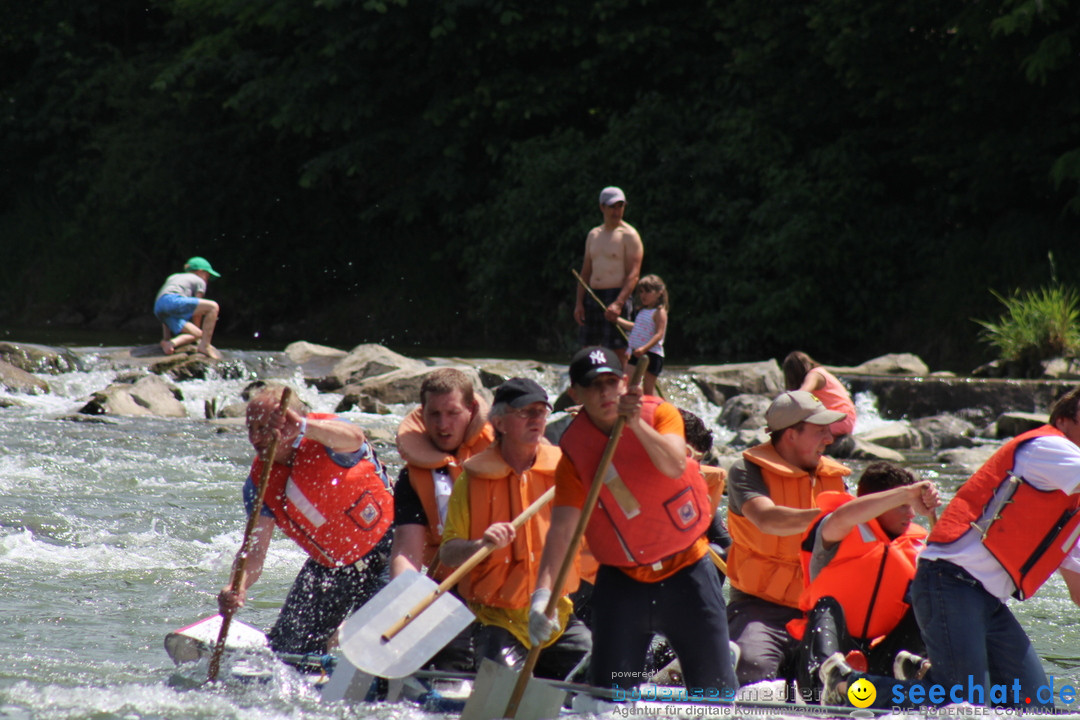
(336, 514)
(869, 574)
(674, 511)
(767, 566)
(422, 458)
(1031, 531)
(507, 577)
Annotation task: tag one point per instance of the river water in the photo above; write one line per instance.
(115, 531)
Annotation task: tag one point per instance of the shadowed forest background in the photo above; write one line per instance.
(846, 178)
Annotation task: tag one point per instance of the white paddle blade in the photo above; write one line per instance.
(361, 635)
(197, 640)
(492, 689)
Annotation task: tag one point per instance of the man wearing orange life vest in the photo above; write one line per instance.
(654, 575)
(497, 485)
(1007, 529)
(858, 559)
(327, 491)
(434, 440)
(771, 494)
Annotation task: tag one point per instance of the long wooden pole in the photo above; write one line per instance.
(465, 568)
(599, 302)
(575, 540)
(245, 547)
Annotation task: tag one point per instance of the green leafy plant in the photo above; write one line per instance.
(1037, 325)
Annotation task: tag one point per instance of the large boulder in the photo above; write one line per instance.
(864, 450)
(367, 361)
(892, 364)
(39, 358)
(17, 380)
(403, 386)
(315, 361)
(720, 382)
(916, 397)
(494, 371)
(970, 459)
(744, 412)
(149, 395)
(945, 431)
(897, 435)
(1012, 424)
(1061, 369)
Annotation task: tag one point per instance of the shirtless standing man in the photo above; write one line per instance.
(612, 266)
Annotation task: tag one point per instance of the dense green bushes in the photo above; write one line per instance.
(845, 178)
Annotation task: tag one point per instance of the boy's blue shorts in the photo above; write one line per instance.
(175, 310)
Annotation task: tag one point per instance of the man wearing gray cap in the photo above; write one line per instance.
(771, 501)
(612, 266)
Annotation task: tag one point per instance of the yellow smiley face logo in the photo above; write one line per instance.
(861, 693)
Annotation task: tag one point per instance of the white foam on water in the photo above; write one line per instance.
(867, 416)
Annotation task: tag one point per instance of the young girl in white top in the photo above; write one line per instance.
(647, 330)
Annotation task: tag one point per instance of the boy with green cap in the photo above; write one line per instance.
(186, 315)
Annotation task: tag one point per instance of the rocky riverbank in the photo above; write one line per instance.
(962, 419)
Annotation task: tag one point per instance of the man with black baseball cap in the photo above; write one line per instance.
(647, 532)
(496, 485)
(771, 501)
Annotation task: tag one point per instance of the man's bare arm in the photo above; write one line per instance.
(407, 549)
(586, 275)
(777, 519)
(922, 495)
(633, 253)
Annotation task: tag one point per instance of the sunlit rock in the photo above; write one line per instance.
(18, 380)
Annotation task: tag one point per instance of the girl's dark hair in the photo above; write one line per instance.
(796, 365)
(653, 282)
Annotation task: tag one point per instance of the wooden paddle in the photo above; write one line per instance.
(411, 619)
(599, 302)
(575, 540)
(465, 568)
(245, 547)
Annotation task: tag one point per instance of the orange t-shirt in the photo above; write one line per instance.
(571, 491)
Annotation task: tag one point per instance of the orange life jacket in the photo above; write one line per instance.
(674, 511)
(507, 577)
(1029, 531)
(767, 566)
(336, 514)
(422, 457)
(869, 574)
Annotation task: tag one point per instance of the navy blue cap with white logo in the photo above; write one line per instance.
(590, 362)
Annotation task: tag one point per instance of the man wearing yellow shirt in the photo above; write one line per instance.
(495, 487)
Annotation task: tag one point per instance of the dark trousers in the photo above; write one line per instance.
(687, 608)
(322, 597)
(827, 632)
(556, 661)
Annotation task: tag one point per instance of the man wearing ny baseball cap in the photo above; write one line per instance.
(647, 532)
(611, 269)
(771, 501)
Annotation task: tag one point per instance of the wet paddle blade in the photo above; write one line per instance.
(196, 641)
(432, 630)
(491, 692)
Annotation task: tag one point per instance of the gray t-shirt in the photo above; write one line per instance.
(745, 482)
(820, 555)
(186, 284)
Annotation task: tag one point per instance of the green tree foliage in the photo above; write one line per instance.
(842, 177)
